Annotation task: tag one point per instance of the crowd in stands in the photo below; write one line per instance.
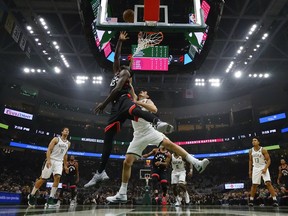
(23, 168)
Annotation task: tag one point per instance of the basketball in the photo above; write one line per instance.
(128, 16)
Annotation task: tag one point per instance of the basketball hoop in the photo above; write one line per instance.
(148, 39)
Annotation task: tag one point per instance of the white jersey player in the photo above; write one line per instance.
(259, 161)
(56, 157)
(145, 134)
(178, 179)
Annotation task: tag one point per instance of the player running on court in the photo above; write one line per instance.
(259, 161)
(56, 157)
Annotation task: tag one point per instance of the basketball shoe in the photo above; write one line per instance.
(118, 198)
(178, 201)
(51, 203)
(31, 200)
(275, 203)
(187, 198)
(201, 166)
(164, 127)
(97, 178)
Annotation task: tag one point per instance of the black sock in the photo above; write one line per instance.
(145, 115)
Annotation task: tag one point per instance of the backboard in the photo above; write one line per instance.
(195, 20)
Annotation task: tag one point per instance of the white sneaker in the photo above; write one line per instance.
(164, 127)
(187, 198)
(178, 201)
(96, 178)
(201, 166)
(73, 202)
(118, 198)
(58, 203)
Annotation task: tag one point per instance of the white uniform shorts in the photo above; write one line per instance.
(56, 168)
(257, 174)
(178, 177)
(139, 143)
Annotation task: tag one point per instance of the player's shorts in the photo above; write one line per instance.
(257, 174)
(68, 180)
(139, 143)
(178, 177)
(121, 110)
(56, 168)
(161, 174)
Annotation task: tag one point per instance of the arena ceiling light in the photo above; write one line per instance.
(200, 82)
(32, 70)
(57, 69)
(238, 74)
(97, 79)
(264, 36)
(230, 66)
(81, 79)
(214, 82)
(260, 75)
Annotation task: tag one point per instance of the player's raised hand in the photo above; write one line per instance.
(123, 36)
(99, 109)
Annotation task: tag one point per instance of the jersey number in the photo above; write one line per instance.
(256, 160)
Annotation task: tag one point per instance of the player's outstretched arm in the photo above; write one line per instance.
(116, 64)
(150, 153)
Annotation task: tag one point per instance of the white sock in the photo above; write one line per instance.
(192, 160)
(251, 198)
(179, 198)
(34, 190)
(53, 192)
(274, 198)
(123, 188)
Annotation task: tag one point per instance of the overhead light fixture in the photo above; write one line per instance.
(266, 75)
(26, 70)
(264, 36)
(57, 69)
(29, 28)
(200, 82)
(238, 74)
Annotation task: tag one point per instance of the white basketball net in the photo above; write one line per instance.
(148, 39)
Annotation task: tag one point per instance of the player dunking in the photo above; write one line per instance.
(70, 179)
(260, 160)
(123, 108)
(56, 157)
(178, 178)
(144, 134)
(283, 173)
